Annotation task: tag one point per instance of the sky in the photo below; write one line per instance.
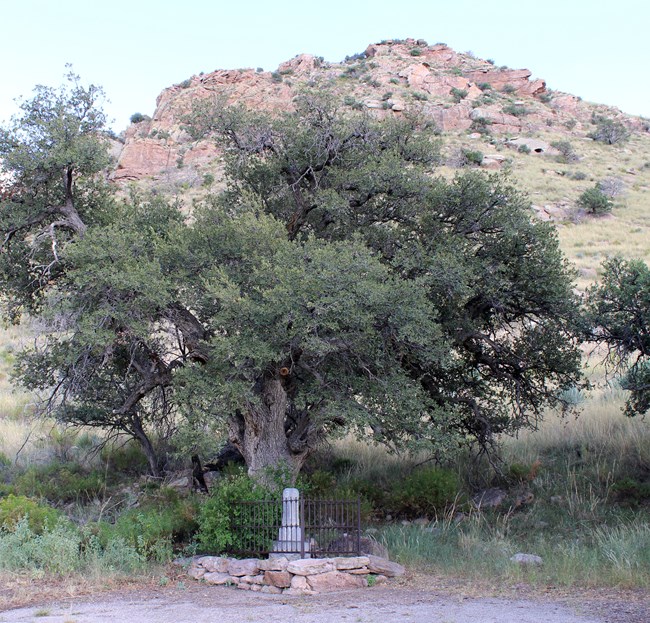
(134, 49)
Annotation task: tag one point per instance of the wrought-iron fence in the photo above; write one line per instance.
(304, 527)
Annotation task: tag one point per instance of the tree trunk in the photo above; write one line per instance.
(147, 447)
(259, 434)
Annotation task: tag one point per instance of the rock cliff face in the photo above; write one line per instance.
(457, 91)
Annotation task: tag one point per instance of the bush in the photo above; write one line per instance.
(523, 149)
(220, 514)
(15, 508)
(595, 202)
(516, 110)
(508, 88)
(152, 529)
(458, 94)
(472, 156)
(609, 131)
(481, 125)
(64, 549)
(425, 492)
(566, 151)
(276, 76)
(137, 117)
(421, 97)
(415, 52)
(60, 482)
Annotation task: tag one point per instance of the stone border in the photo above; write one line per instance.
(307, 576)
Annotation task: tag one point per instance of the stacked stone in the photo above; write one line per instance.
(298, 577)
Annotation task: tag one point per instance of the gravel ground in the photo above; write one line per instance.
(203, 604)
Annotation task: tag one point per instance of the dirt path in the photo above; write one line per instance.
(202, 604)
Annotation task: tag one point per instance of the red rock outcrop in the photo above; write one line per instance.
(390, 78)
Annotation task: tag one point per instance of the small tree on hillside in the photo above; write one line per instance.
(619, 312)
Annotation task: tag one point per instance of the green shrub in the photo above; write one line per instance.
(276, 76)
(125, 459)
(137, 117)
(421, 97)
(425, 492)
(161, 521)
(220, 514)
(208, 180)
(508, 88)
(523, 149)
(609, 131)
(60, 482)
(516, 110)
(64, 549)
(566, 151)
(631, 492)
(484, 86)
(415, 52)
(458, 94)
(545, 97)
(185, 84)
(481, 125)
(456, 71)
(595, 202)
(472, 156)
(15, 508)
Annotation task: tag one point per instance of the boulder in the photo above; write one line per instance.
(248, 566)
(214, 564)
(196, 571)
(310, 566)
(385, 567)
(335, 581)
(219, 578)
(490, 498)
(527, 560)
(280, 579)
(274, 563)
(355, 562)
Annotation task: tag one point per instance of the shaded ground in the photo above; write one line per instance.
(418, 599)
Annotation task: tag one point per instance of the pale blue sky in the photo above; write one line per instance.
(134, 49)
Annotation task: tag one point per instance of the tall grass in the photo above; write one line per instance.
(481, 546)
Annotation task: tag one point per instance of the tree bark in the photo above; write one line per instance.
(259, 434)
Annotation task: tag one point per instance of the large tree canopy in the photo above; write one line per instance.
(336, 284)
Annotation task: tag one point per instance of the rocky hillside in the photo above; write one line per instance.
(459, 92)
(489, 116)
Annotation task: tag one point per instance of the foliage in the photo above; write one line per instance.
(63, 549)
(337, 284)
(516, 110)
(60, 482)
(221, 516)
(425, 492)
(619, 312)
(509, 89)
(458, 94)
(14, 508)
(567, 153)
(595, 201)
(609, 131)
(137, 117)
